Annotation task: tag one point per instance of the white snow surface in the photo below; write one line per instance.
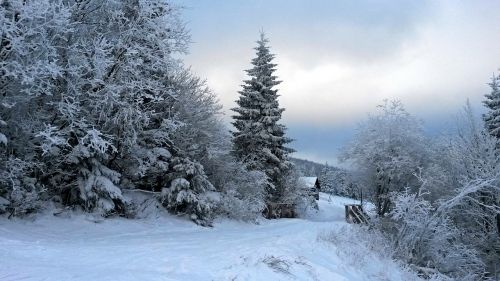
(170, 248)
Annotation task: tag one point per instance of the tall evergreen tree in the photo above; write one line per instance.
(492, 102)
(259, 140)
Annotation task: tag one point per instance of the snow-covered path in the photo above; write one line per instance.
(173, 249)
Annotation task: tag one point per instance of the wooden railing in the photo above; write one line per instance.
(354, 214)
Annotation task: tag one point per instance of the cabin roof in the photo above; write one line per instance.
(309, 181)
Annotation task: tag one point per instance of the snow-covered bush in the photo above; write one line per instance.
(20, 194)
(98, 190)
(474, 204)
(430, 241)
(243, 193)
(190, 192)
(360, 246)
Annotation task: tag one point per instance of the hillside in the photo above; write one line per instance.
(307, 168)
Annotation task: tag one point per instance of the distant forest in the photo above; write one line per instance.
(308, 168)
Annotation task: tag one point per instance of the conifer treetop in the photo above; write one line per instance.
(492, 102)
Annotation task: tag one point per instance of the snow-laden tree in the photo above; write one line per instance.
(259, 139)
(450, 223)
(95, 99)
(30, 35)
(326, 179)
(492, 102)
(198, 107)
(387, 150)
(110, 87)
(474, 205)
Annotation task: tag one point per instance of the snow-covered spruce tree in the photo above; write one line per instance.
(259, 139)
(492, 102)
(326, 179)
(189, 191)
(345, 184)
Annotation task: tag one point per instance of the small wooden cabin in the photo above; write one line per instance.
(312, 186)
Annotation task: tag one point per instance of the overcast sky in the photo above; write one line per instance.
(339, 59)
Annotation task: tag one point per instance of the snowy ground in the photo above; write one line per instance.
(169, 248)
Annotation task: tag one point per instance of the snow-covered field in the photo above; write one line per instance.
(169, 248)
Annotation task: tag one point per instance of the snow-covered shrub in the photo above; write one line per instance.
(243, 192)
(98, 190)
(446, 222)
(144, 204)
(305, 204)
(20, 194)
(474, 204)
(359, 246)
(190, 192)
(430, 241)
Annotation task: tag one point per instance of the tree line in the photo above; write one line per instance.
(96, 100)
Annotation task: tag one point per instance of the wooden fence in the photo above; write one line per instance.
(354, 214)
